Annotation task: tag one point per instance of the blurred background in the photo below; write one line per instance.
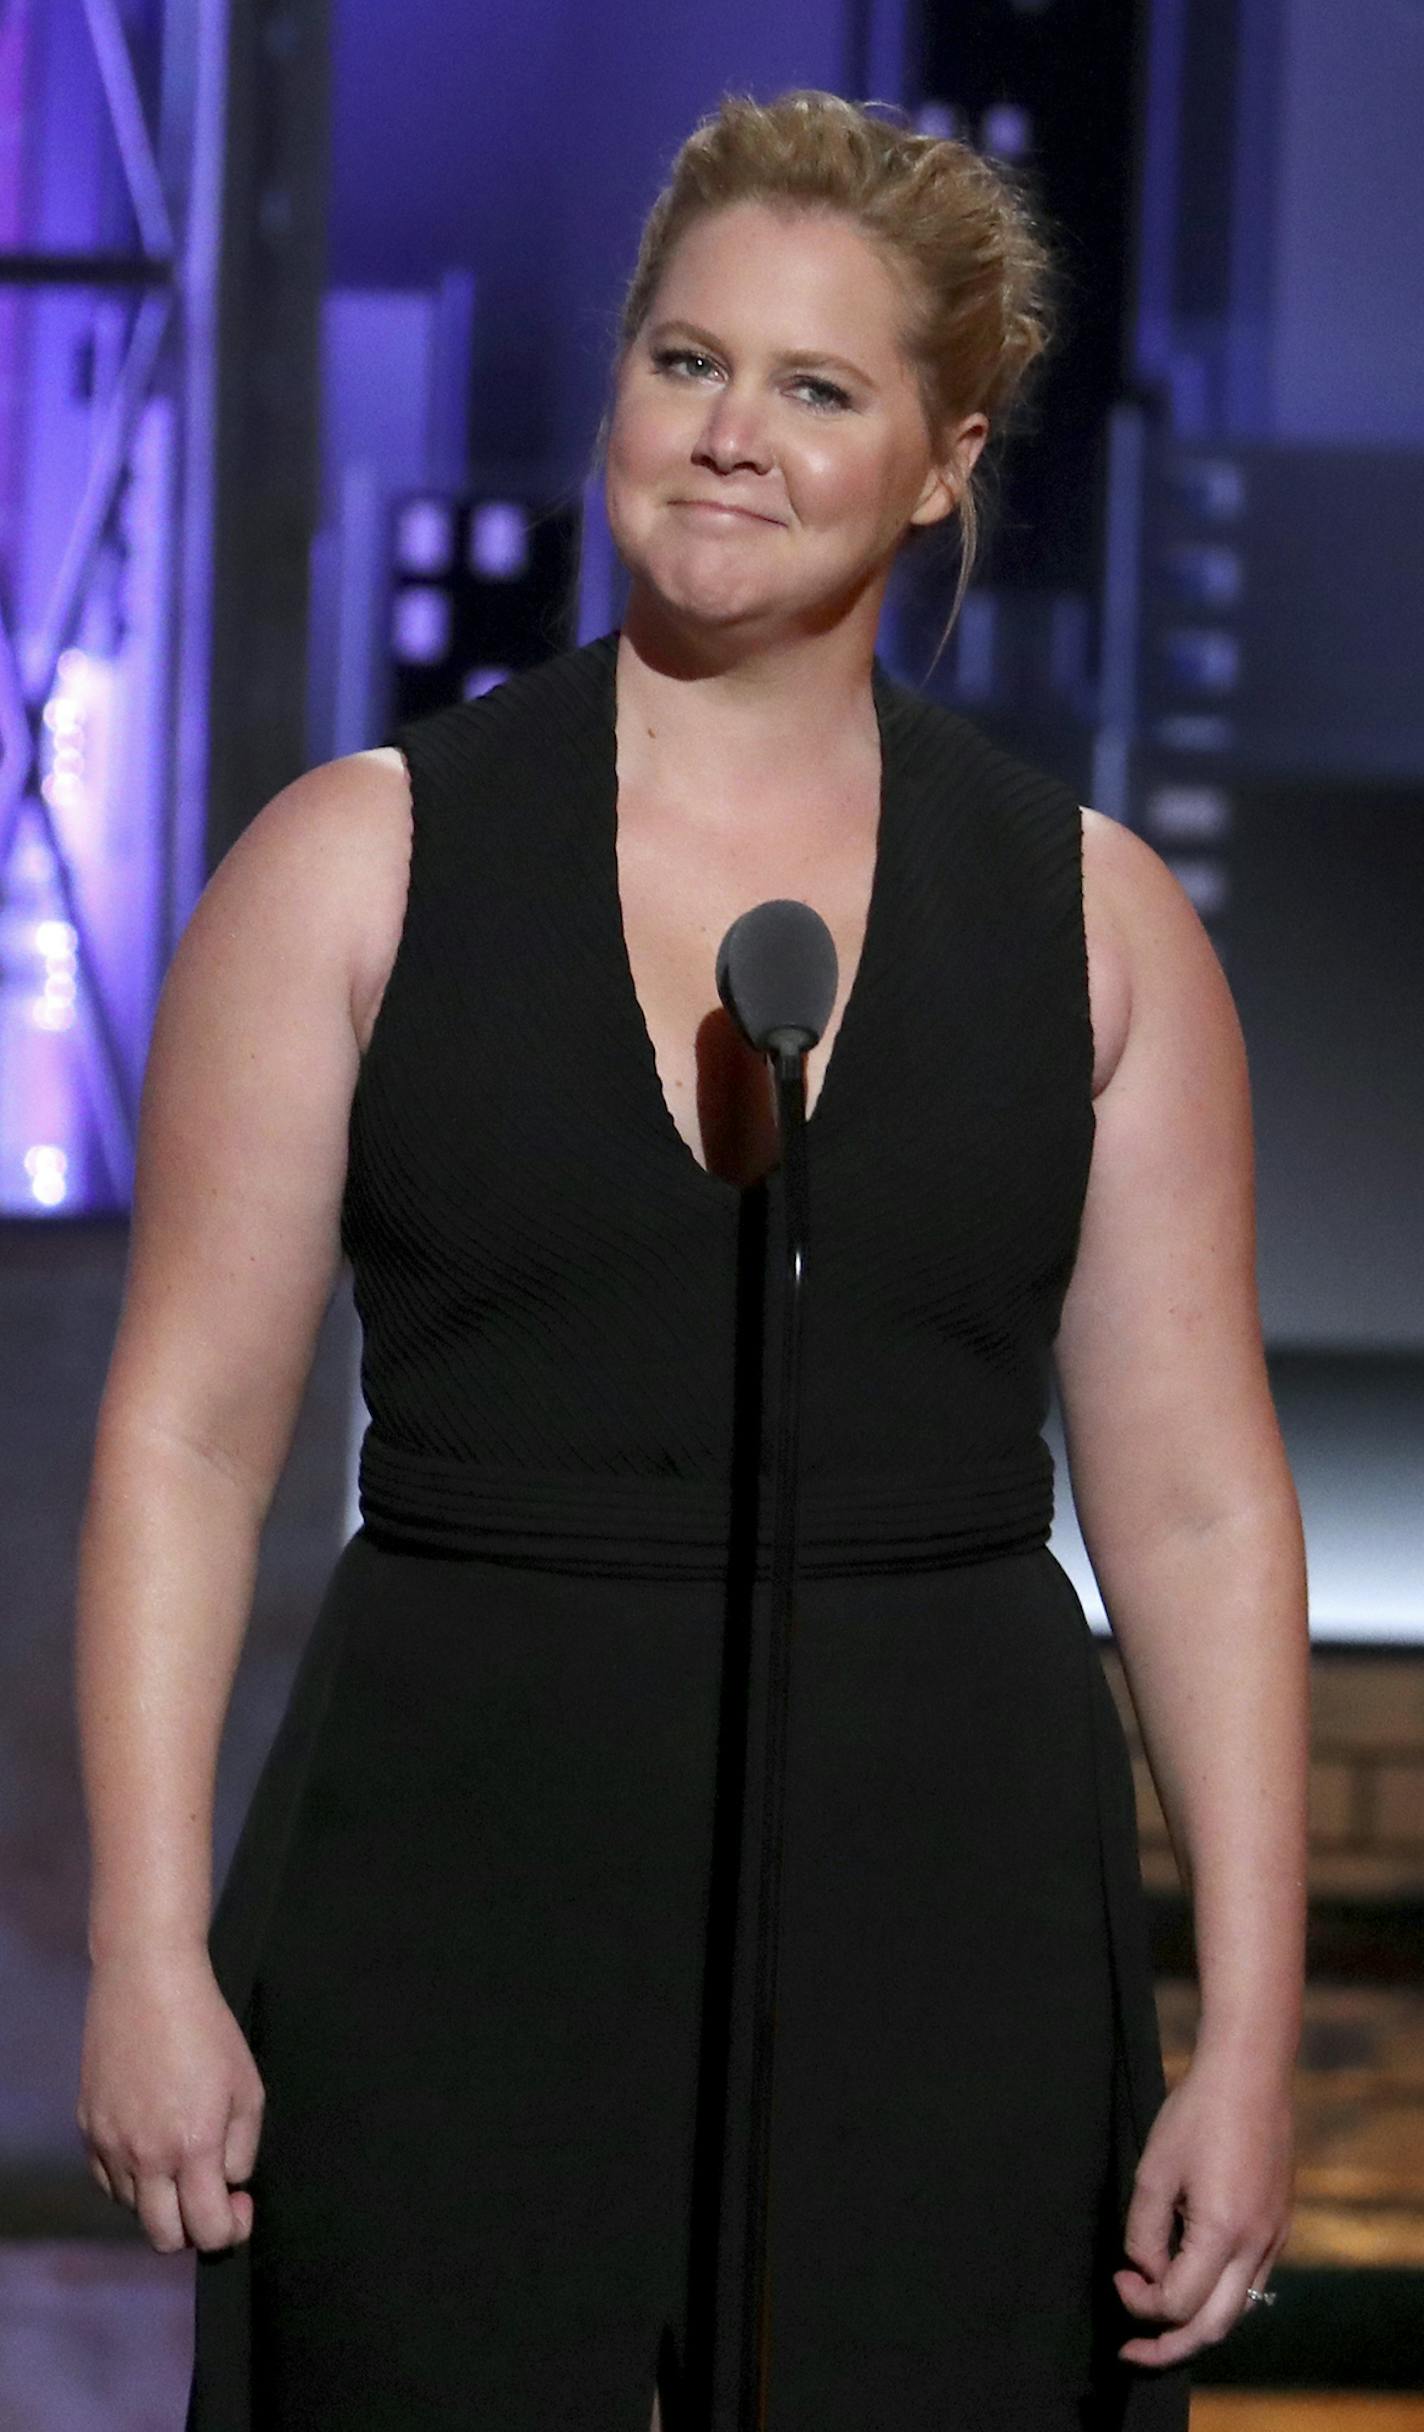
(306, 317)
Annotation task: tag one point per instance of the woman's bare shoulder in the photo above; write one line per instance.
(339, 837)
(1147, 945)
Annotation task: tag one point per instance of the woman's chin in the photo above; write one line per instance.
(713, 598)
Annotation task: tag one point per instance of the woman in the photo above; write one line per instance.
(430, 2100)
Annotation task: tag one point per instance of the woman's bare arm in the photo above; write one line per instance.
(234, 1248)
(1179, 1474)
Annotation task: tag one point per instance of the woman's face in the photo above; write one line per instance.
(767, 377)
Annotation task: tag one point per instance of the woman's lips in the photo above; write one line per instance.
(715, 506)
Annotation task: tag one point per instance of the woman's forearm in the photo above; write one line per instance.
(1212, 1626)
(167, 1562)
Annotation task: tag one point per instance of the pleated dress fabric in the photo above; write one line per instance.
(488, 1925)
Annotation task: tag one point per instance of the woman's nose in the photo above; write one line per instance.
(734, 433)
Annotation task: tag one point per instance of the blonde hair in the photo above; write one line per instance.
(972, 257)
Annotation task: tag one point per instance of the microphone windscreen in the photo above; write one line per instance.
(777, 970)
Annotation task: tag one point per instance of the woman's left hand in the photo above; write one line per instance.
(1221, 2153)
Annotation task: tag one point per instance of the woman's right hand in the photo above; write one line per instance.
(170, 2101)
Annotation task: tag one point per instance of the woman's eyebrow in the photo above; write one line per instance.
(800, 355)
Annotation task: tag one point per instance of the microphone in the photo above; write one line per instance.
(777, 974)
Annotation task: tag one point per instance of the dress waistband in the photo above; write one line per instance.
(681, 1528)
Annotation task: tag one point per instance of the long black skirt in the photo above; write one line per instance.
(487, 1928)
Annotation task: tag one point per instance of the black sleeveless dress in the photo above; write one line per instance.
(485, 1926)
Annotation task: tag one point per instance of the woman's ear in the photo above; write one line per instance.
(948, 478)
(938, 498)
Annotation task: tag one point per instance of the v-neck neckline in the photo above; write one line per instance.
(867, 971)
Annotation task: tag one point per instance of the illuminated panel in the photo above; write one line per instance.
(44, 1113)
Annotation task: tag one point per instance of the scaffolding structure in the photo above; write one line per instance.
(201, 359)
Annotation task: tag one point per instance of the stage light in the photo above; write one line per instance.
(1188, 814)
(499, 540)
(1195, 731)
(1203, 658)
(503, 602)
(53, 1009)
(420, 623)
(48, 1169)
(481, 679)
(1210, 486)
(425, 536)
(944, 119)
(1205, 574)
(1006, 131)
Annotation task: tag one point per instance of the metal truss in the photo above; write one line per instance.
(162, 273)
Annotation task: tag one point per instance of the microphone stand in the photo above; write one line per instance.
(787, 1051)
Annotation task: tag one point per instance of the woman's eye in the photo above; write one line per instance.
(829, 398)
(665, 355)
(830, 394)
